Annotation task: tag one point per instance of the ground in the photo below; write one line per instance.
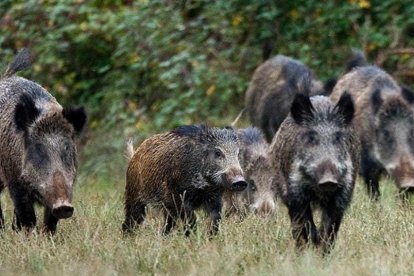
(375, 239)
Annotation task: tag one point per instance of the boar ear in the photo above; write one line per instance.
(25, 113)
(407, 94)
(301, 109)
(76, 116)
(345, 107)
(376, 100)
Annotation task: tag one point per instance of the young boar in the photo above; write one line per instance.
(38, 151)
(259, 196)
(316, 153)
(273, 86)
(384, 121)
(181, 171)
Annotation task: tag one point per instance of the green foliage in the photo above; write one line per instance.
(166, 63)
(141, 67)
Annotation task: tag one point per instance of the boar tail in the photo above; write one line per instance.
(129, 150)
(22, 61)
(234, 123)
(357, 60)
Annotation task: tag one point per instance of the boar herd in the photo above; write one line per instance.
(307, 143)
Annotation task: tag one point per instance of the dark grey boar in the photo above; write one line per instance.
(38, 152)
(259, 196)
(315, 154)
(271, 91)
(384, 120)
(181, 171)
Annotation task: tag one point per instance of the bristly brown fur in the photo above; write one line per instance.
(172, 170)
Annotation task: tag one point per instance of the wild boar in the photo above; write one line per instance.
(271, 91)
(384, 121)
(259, 196)
(315, 153)
(38, 158)
(180, 171)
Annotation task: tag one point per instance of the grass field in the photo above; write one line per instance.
(375, 239)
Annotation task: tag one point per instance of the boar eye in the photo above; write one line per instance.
(386, 136)
(253, 186)
(218, 153)
(66, 147)
(38, 154)
(338, 136)
(311, 138)
(66, 154)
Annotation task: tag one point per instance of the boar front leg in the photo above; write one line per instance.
(50, 222)
(213, 206)
(24, 212)
(331, 221)
(371, 172)
(170, 220)
(302, 223)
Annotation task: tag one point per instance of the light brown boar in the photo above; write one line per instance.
(259, 196)
(384, 120)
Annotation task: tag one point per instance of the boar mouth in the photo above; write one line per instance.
(328, 186)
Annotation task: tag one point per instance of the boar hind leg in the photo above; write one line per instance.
(24, 213)
(331, 220)
(302, 223)
(370, 171)
(213, 207)
(134, 215)
(50, 222)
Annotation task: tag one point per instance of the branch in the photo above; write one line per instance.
(383, 55)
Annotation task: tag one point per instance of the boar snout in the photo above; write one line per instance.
(264, 207)
(62, 210)
(403, 172)
(407, 185)
(235, 179)
(327, 176)
(59, 197)
(239, 184)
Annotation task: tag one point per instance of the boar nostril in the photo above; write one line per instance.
(239, 185)
(63, 211)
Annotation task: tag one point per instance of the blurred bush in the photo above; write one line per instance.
(154, 64)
